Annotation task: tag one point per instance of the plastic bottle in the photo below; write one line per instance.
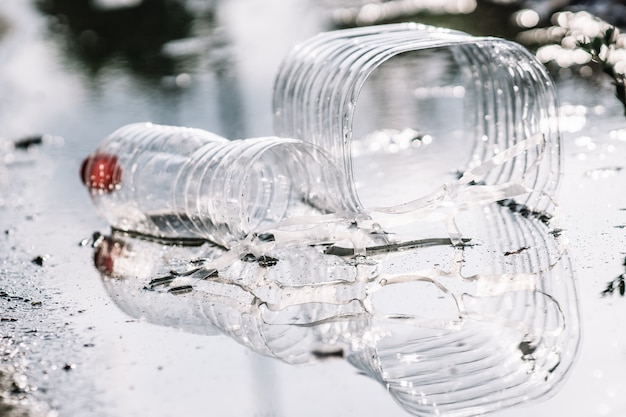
(469, 97)
(177, 182)
(494, 138)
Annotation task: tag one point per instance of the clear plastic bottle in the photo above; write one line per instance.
(466, 98)
(475, 121)
(177, 182)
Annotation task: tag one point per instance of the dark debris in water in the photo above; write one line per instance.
(28, 142)
(516, 252)
(527, 348)
(38, 260)
(556, 232)
(394, 247)
(6, 319)
(160, 281)
(328, 354)
(181, 289)
(166, 280)
(263, 260)
(6, 295)
(267, 261)
(248, 257)
(265, 237)
(211, 273)
(524, 211)
(617, 285)
(162, 221)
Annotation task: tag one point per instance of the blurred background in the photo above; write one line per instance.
(72, 71)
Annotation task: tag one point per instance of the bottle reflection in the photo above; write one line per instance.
(461, 330)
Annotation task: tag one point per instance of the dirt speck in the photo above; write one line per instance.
(39, 260)
(9, 406)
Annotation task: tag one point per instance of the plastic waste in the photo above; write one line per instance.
(395, 128)
(445, 330)
(177, 182)
(407, 106)
(498, 139)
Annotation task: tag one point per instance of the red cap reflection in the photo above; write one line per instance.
(107, 252)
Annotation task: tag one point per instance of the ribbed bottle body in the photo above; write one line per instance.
(176, 182)
(405, 107)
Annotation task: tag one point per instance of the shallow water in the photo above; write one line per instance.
(69, 346)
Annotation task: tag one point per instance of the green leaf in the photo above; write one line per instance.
(597, 43)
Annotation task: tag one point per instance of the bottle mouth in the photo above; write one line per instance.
(410, 114)
(279, 179)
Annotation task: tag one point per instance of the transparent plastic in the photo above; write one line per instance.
(406, 107)
(447, 330)
(396, 128)
(176, 182)
(478, 126)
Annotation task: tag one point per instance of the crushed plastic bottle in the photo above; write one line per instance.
(471, 97)
(177, 182)
(448, 328)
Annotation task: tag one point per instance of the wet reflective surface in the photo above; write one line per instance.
(464, 330)
(70, 334)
